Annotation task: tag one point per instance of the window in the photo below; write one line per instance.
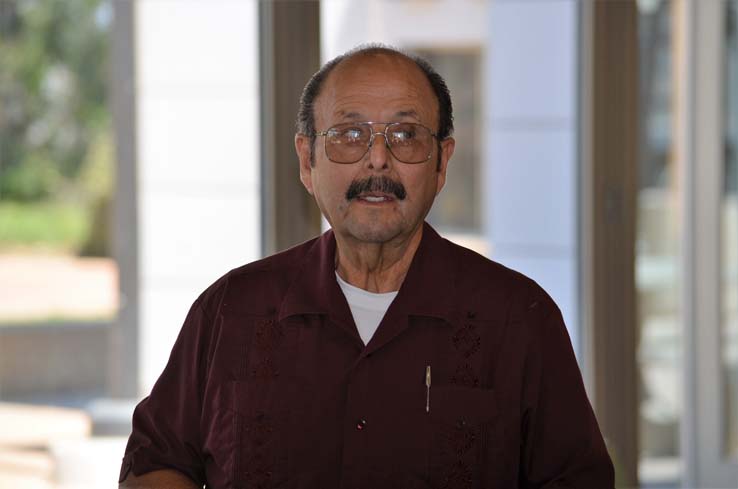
(458, 207)
(56, 162)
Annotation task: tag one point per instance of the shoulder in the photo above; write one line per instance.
(504, 297)
(255, 285)
(492, 284)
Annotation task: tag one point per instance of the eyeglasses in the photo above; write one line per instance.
(407, 141)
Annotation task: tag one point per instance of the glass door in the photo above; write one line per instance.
(687, 243)
(658, 254)
(728, 341)
(709, 166)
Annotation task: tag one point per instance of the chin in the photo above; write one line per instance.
(378, 233)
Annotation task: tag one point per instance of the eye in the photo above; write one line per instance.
(347, 134)
(351, 134)
(403, 134)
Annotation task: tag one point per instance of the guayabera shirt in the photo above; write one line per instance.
(270, 386)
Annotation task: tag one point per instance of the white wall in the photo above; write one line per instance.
(412, 23)
(532, 162)
(198, 158)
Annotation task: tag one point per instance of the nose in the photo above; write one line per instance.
(379, 154)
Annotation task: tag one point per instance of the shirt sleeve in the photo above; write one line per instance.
(166, 424)
(562, 443)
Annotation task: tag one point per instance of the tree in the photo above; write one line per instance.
(53, 94)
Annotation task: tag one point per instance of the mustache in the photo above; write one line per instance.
(376, 184)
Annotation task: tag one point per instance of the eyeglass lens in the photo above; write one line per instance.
(408, 142)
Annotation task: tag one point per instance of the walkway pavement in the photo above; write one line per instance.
(45, 447)
(37, 287)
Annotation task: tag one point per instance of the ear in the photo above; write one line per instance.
(303, 149)
(447, 150)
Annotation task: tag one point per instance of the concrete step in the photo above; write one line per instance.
(88, 464)
(30, 469)
(30, 426)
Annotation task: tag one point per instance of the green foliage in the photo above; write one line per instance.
(55, 225)
(55, 142)
(34, 179)
(96, 172)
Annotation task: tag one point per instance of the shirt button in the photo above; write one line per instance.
(360, 424)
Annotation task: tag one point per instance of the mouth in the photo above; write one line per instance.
(375, 198)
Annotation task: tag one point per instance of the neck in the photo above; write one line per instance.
(376, 267)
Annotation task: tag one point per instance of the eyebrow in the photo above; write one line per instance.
(358, 116)
(349, 115)
(407, 113)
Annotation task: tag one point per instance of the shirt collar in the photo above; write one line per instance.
(426, 290)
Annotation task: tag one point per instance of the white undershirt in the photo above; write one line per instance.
(367, 308)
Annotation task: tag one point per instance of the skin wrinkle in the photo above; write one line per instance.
(375, 242)
(343, 115)
(306, 123)
(399, 116)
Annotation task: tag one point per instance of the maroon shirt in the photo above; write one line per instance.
(270, 386)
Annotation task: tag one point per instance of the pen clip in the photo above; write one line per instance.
(427, 388)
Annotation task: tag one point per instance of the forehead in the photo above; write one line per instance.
(377, 87)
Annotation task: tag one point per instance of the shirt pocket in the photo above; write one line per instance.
(259, 428)
(462, 436)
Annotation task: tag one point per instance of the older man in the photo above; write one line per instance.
(378, 355)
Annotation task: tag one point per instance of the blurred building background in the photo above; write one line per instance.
(146, 149)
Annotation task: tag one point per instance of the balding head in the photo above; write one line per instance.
(313, 88)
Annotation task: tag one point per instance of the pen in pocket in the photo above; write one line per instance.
(427, 388)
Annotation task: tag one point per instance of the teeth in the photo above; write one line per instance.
(374, 199)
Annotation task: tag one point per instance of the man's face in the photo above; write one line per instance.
(377, 88)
